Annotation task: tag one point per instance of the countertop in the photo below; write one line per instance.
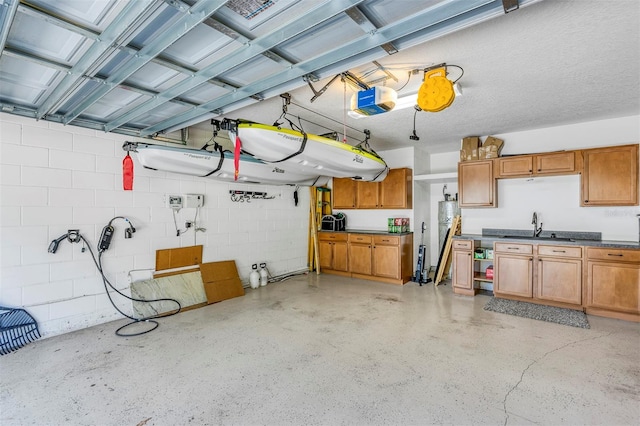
(574, 242)
(368, 231)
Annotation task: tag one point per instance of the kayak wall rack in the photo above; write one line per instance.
(247, 196)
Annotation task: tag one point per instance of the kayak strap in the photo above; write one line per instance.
(302, 146)
(218, 148)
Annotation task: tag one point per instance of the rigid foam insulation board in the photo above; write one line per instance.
(221, 281)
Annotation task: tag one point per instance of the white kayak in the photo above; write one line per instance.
(217, 165)
(305, 153)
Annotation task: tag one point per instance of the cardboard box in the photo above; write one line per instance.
(492, 147)
(221, 281)
(398, 224)
(482, 153)
(470, 147)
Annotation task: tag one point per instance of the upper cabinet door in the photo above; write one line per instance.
(367, 195)
(610, 176)
(561, 163)
(396, 190)
(344, 193)
(476, 184)
(521, 165)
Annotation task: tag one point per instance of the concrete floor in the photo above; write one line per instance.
(331, 350)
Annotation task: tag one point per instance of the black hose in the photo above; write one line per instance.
(107, 284)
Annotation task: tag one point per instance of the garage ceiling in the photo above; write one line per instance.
(149, 67)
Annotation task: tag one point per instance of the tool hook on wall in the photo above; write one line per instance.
(247, 196)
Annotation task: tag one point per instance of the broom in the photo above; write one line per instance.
(17, 328)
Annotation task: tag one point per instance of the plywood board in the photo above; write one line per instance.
(221, 281)
(178, 257)
(445, 260)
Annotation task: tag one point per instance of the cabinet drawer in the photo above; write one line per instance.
(387, 241)
(360, 238)
(514, 248)
(556, 163)
(560, 251)
(613, 255)
(515, 166)
(332, 236)
(462, 245)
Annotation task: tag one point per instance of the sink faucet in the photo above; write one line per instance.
(534, 221)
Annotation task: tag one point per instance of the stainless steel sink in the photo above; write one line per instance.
(538, 238)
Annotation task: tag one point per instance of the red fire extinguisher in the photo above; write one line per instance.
(127, 173)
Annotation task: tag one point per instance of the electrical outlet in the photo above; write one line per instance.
(194, 201)
(175, 201)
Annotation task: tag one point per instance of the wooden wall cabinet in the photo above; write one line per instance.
(367, 195)
(394, 192)
(476, 184)
(333, 251)
(343, 193)
(610, 176)
(613, 283)
(547, 164)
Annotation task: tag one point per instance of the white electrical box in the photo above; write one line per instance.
(174, 201)
(194, 201)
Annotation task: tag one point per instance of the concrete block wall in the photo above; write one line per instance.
(54, 178)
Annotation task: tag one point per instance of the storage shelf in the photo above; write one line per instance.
(483, 260)
(437, 177)
(480, 276)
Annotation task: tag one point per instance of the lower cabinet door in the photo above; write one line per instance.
(513, 275)
(386, 261)
(462, 269)
(614, 286)
(340, 257)
(360, 258)
(560, 280)
(325, 250)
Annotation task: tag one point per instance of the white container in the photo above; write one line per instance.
(254, 277)
(264, 276)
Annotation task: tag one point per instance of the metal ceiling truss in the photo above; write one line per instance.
(248, 51)
(419, 21)
(82, 82)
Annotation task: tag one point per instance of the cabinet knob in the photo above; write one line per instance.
(539, 170)
(613, 254)
(586, 201)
